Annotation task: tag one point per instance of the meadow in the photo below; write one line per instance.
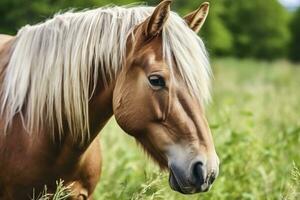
(254, 117)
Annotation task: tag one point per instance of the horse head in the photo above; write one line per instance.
(155, 103)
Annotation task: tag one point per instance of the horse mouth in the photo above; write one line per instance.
(177, 184)
(184, 184)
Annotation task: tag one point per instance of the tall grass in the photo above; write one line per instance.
(255, 120)
(62, 192)
(293, 189)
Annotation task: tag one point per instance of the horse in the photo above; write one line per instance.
(63, 79)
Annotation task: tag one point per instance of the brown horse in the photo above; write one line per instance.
(62, 80)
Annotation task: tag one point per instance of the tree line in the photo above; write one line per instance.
(257, 29)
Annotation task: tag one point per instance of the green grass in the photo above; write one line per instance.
(62, 192)
(255, 120)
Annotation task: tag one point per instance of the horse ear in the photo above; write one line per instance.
(156, 21)
(196, 19)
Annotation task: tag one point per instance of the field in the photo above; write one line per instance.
(255, 120)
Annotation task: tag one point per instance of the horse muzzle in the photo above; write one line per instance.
(194, 179)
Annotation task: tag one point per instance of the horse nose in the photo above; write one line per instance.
(202, 181)
(198, 174)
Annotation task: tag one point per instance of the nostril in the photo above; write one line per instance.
(212, 179)
(198, 173)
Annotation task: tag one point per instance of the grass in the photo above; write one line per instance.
(62, 192)
(255, 120)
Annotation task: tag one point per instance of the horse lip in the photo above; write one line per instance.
(177, 185)
(173, 182)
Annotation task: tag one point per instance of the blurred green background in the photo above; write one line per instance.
(254, 114)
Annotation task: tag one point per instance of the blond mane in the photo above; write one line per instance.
(55, 64)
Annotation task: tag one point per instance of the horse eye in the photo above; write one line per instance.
(157, 81)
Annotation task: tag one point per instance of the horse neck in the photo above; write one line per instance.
(100, 108)
(100, 111)
(100, 105)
